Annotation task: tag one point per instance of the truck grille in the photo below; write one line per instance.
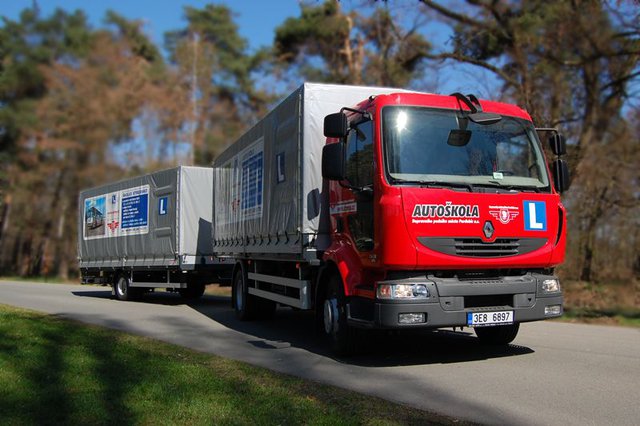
(475, 247)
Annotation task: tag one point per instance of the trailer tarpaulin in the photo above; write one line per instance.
(159, 219)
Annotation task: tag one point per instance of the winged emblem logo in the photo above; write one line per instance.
(504, 214)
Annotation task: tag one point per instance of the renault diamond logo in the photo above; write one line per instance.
(488, 229)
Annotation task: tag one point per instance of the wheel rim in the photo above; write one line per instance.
(330, 315)
(239, 295)
(122, 286)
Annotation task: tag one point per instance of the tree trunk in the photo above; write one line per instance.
(6, 215)
(23, 262)
(62, 246)
(586, 274)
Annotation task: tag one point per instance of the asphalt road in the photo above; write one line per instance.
(554, 373)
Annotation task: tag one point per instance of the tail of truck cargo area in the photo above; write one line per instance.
(150, 231)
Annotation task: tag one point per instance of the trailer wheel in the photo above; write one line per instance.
(497, 335)
(344, 339)
(193, 291)
(123, 290)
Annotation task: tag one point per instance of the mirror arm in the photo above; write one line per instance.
(466, 101)
(349, 186)
(364, 114)
(547, 129)
(475, 101)
(359, 190)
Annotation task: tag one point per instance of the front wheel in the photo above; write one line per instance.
(344, 339)
(497, 335)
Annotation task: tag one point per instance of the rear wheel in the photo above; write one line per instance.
(124, 291)
(247, 306)
(497, 335)
(243, 304)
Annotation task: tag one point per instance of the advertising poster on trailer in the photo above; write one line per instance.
(117, 213)
(94, 215)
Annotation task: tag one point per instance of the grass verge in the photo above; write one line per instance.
(624, 317)
(598, 303)
(55, 371)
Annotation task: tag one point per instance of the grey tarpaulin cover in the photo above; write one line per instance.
(159, 219)
(268, 185)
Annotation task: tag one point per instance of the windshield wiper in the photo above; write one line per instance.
(468, 186)
(435, 184)
(496, 184)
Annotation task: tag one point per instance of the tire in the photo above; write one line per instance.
(123, 291)
(193, 291)
(497, 335)
(343, 338)
(243, 303)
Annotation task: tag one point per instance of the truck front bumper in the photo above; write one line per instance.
(451, 300)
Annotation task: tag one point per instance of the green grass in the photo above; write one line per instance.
(55, 371)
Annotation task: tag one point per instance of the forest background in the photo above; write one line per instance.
(82, 105)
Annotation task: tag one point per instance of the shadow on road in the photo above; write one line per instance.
(294, 328)
(155, 298)
(379, 349)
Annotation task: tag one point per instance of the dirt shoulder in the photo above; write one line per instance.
(602, 303)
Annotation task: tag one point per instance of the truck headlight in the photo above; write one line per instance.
(402, 291)
(551, 286)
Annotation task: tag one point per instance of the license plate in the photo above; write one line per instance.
(489, 318)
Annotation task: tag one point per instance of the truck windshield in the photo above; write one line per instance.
(424, 146)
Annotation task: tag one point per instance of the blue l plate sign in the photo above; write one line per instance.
(535, 216)
(163, 206)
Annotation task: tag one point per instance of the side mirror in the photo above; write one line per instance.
(335, 125)
(458, 137)
(560, 172)
(333, 161)
(558, 144)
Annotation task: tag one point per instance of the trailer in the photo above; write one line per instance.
(377, 208)
(151, 231)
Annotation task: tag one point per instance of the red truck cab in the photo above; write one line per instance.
(444, 213)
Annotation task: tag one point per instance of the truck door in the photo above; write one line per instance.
(359, 173)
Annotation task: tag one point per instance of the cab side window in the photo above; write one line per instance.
(360, 174)
(360, 155)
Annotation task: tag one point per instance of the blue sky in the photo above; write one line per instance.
(256, 19)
